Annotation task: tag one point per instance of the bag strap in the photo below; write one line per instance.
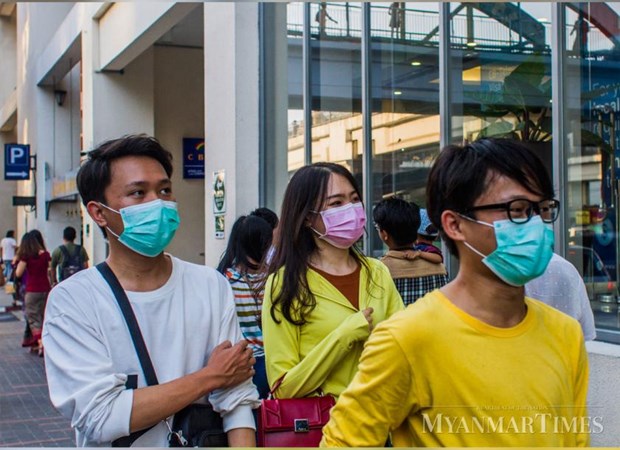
(65, 253)
(138, 343)
(276, 386)
(132, 323)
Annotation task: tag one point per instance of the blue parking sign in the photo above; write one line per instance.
(16, 161)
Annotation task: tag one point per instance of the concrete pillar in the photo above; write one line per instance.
(36, 25)
(231, 113)
(275, 76)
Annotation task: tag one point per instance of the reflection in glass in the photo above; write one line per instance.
(500, 86)
(405, 100)
(295, 119)
(502, 51)
(591, 156)
(335, 84)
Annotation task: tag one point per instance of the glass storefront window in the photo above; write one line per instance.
(335, 84)
(500, 60)
(404, 100)
(501, 73)
(295, 119)
(281, 106)
(590, 109)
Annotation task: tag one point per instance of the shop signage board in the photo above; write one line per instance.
(194, 158)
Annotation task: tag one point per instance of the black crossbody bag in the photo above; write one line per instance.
(196, 425)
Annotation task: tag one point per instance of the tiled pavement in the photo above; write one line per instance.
(27, 418)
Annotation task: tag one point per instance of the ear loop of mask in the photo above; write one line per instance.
(468, 245)
(319, 235)
(106, 227)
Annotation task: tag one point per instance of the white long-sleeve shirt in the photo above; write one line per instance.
(562, 287)
(89, 352)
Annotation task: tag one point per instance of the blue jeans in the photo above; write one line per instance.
(260, 377)
(7, 269)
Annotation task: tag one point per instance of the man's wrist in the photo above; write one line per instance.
(208, 381)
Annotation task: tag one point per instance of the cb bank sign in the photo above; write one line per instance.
(194, 158)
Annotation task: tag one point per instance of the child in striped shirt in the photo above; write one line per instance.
(250, 239)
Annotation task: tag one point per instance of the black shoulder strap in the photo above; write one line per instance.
(77, 251)
(138, 343)
(65, 253)
(132, 323)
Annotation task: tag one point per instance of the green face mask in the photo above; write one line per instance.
(523, 250)
(148, 227)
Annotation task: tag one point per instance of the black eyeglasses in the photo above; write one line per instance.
(521, 210)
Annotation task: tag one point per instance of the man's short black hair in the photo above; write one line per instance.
(399, 218)
(10, 233)
(68, 234)
(94, 174)
(461, 174)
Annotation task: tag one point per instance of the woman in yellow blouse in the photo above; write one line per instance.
(324, 296)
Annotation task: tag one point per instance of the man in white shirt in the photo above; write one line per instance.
(562, 287)
(186, 314)
(7, 249)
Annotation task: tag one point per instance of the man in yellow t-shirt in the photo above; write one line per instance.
(476, 363)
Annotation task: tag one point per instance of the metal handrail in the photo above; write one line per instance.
(419, 26)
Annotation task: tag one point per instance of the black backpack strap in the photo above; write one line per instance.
(136, 337)
(77, 254)
(65, 254)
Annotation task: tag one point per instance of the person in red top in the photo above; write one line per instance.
(35, 259)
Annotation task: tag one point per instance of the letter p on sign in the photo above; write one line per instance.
(16, 155)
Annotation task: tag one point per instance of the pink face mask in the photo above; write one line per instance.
(344, 225)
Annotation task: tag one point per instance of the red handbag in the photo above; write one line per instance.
(293, 422)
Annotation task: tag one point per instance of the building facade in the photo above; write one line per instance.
(243, 94)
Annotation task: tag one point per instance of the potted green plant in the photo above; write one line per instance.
(521, 109)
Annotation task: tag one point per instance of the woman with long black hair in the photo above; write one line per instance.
(34, 258)
(324, 296)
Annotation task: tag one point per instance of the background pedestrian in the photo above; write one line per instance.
(242, 265)
(34, 258)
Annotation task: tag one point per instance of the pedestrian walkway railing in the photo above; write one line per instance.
(416, 26)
